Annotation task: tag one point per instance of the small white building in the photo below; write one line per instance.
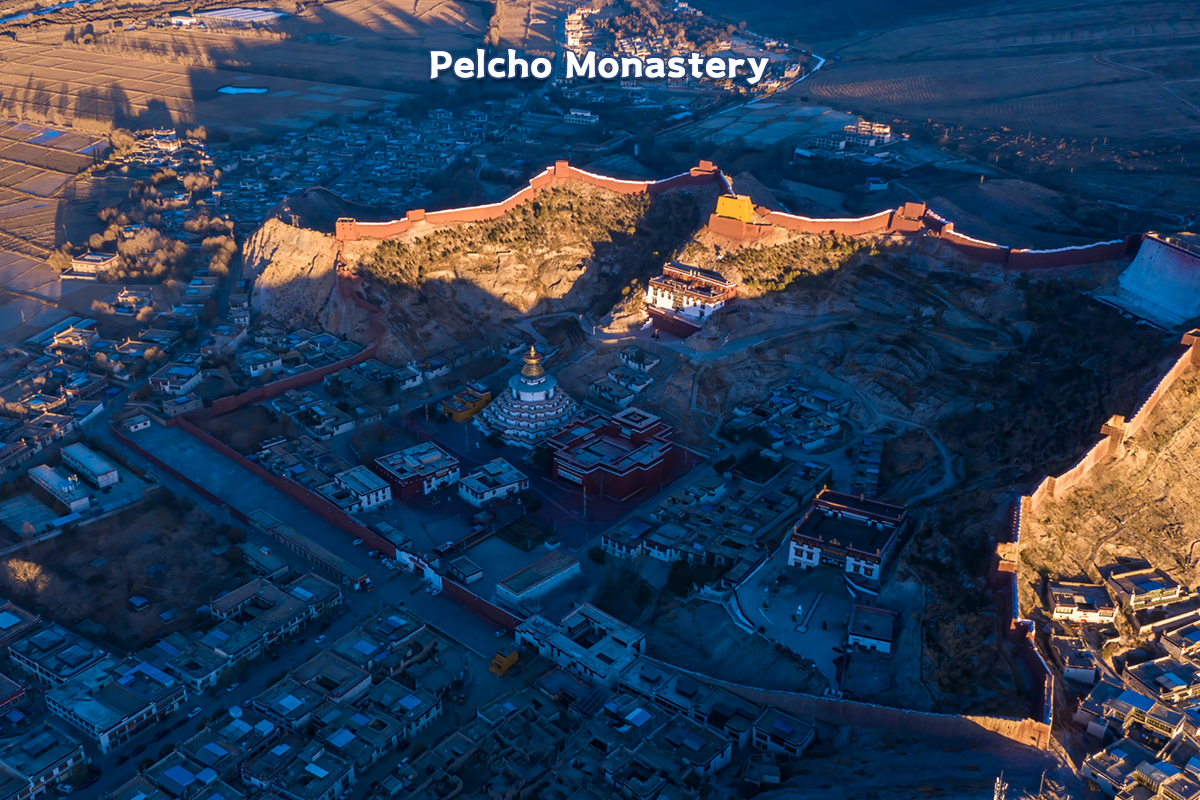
(257, 362)
(92, 467)
(548, 572)
(777, 732)
(175, 380)
(495, 480)
(91, 264)
(66, 489)
(1081, 602)
(138, 423)
(357, 489)
(871, 628)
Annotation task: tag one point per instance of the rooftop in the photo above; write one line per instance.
(540, 571)
(871, 623)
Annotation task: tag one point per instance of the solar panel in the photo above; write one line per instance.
(782, 728)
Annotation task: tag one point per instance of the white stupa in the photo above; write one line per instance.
(532, 409)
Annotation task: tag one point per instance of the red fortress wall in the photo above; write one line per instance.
(349, 230)
(910, 218)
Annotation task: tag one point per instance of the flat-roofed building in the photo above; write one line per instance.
(691, 291)
(416, 708)
(356, 490)
(496, 480)
(362, 736)
(138, 787)
(418, 470)
(1167, 679)
(1141, 586)
(850, 533)
(300, 770)
(1080, 602)
(256, 363)
(198, 665)
(1111, 768)
(15, 622)
(111, 705)
(672, 753)
(90, 466)
(185, 404)
(1183, 641)
(587, 642)
(542, 576)
(724, 711)
(467, 401)
(871, 628)
(615, 456)
(54, 655)
(288, 702)
(39, 755)
(362, 649)
(91, 264)
(179, 776)
(1074, 659)
(777, 732)
(64, 487)
(245, 733)
(638, 359)
(332, 676)
(11, 694)
(175, 379)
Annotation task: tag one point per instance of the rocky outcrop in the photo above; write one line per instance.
(294, 273)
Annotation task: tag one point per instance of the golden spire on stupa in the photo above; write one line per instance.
(533, 364)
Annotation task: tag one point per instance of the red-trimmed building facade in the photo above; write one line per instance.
(682, 298)
(614, 456)
(851, 533)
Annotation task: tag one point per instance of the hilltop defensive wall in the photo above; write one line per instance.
(912, 219)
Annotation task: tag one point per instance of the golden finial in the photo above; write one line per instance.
(533, 364)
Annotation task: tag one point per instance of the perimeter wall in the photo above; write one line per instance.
(910, 218)
(1113, 432)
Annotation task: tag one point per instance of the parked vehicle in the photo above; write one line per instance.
(319, 639)
(232, 686)
(195, 712)
(357, 542)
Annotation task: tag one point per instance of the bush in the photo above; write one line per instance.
(596, 554)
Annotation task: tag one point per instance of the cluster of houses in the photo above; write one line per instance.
(624, 382)
(580, 33)
(1142, 716)
(605, 721)
(309, 734)
(793, 415)
(864, 142)
(717, 520)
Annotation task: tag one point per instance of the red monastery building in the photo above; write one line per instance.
(682, 298)
(616, 456)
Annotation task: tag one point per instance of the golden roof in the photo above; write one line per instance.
(533, 364)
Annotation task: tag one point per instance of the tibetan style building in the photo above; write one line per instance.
(532, 409)
(682, 298)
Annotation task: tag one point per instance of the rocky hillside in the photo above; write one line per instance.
(293, 271)
(1143, 505)
(575, 248)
